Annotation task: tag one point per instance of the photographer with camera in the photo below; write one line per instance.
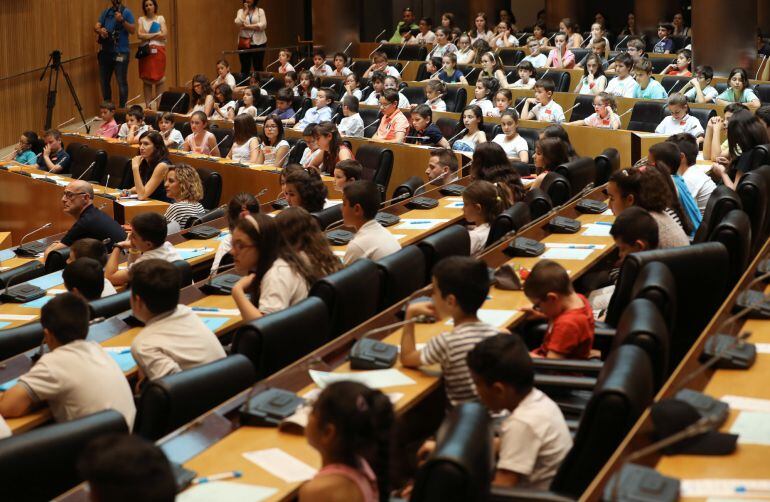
(114, 25)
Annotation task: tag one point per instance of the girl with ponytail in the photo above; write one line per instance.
(482, 202)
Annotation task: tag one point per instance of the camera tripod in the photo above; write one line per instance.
(53, 67)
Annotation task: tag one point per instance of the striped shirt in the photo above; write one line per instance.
(450, 350)
(180, 212)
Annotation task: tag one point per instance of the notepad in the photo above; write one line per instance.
(48, 281)
(339, 253)
(564, 251)
(399, 236)
(596, 230)
(122, 356)
(7, 385)
(225, 490)
(44, 176)
(222, 236)
(281, 465)
(205, 311)
(723, 487)
(376, 379)
(752, 427)
(747, 403)
(38, 304)
(493, 317)
(762, 348)
(420, 223)
(17, 317)
(189, 253)
(214, 323)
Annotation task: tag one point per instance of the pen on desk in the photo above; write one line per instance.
(584, 246)
(205, 309)
(608, 223)
(217, 477)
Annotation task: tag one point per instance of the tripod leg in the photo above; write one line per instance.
(75, 98)
(53, 85)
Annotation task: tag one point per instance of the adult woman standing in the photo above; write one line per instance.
(153, 33)
(253, 23)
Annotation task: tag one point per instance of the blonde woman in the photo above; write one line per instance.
(184, 187)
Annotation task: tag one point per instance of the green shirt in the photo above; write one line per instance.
(654, 90)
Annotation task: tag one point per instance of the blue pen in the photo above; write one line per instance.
(205, 309)
(217, 477)
(588, 246)
(604, 223)
(420, 222)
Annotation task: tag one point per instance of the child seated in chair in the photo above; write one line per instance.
(360, 203)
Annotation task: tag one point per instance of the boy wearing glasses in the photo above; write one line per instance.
(537, 59)
(394, 124)
(570, 333)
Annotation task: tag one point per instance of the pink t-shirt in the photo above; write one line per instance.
(611, 122)
(108, 129)
(567, 60)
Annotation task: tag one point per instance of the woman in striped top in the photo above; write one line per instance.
(184, 186)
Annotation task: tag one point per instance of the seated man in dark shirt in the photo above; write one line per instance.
(54, 158)
(90, 222)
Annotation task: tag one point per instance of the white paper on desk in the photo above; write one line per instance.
(222, 312)
(742, 403)
(129, 203)
(762, 348)
(608, 212)
(56, 291)
(722, 487)
(339, 253)
(567, 254)
(225, 490)
(43, 176)
(16, 317)
(281, 465)
(493, 317)
(568, 245)
(455, 205)
(420, 223)
(375, 379)
(596, 230)
(752, 427)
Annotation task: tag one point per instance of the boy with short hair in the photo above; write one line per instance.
(680, 120)
(537, 59)
(570, 333)
(96, 250)
(699, 184)
(283, 105)
(171, 136)
(85, 278)
(77, 377)
(393, 124)
(545, 109)
(647, 87)
(123, 131)
(699, 89)
(665, 45)
(351, 125)
(54, 158)
(391, 82)
(380, 63)
(623, 84)
(174, 338)
(460, 288)
(422, 130)
(378, 85)
(526, 73)
(360, 203)
(321, 112)
(534, 437)
(147, 240)
(320, 68)
(135, 127)
(109, 128)
(598, 47)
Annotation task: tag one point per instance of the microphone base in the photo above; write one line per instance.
(422, 203)
(636, 483)
(202, 232)
(22, 293)
(30, 250)
(368, 354)
(220, 285)
(563, 225)
(270, 407)
(387, 219)
(708, 407)
(738, 357)
(339, 237)
(453, 189)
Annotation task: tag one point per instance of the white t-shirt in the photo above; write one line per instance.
(485, 105)
(270, 152)
(428, 38)
(552, 112)
(225, 245)
(622, 87)
(165, 252)
(512, 147)
(700, 186)
(242, 153)
(519, 84)
(352, 126)
(587, 87)
(437, 105)
(479, 236)
(538, 61)
(323, 71)
(708, 92)
(688, 124)
(176, 137)
(173, 342)
(281, 288)
(534, 439)
(372, 241)
(79, 379)
(511, 39)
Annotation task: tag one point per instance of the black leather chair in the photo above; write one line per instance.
(75, 151)
(277, 340)
(584, 108)
(224, 139)
(168, 403)
(723, 200)
(455, 99)
(212, 187)
(460, 468)
(531, 136)
(369, 116)
(352, 295)
(185, 271)
(646, 115)
(624, 390)
(422, 73)
(698, 294)
(703, 115)
(512, 219)
(510, 57)
(415, 94)
(754, 191)
(184, 128)
(118, 172)
(42, 463)
(656, 284)
(401, 274)
(471, 73)
(448, 127)
(489, 130)
(207, 217)
(451, 241)
(176, 102)
(580, 54)
(408, 187)
(668, 82)
(606, 164)
(557, 187)
(734, 231)
(757, 157)
(579, 172)
(22, 273)
(763, 93)
(538, 201)
(360, 67)
(377, 162)
(272, 85)
(14, 341)
(560, 78)
(83, 168)
(111, 305)
(297, 148)
(56, 260)
(334, 83)
(659, 64)
(403, 52)
(328, 216)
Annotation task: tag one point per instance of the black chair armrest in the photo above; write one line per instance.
(565, 381)
(591, 366)
(501, 494)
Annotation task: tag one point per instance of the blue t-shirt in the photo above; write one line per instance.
(27, 157)
(664, 45)
(107, 20)
(654, 90)
(60, 158)
(430, 136)
(450, 79)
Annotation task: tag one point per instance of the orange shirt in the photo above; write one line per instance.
(390, 125)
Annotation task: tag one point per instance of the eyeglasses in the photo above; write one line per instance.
(240, 246)
(72, 195)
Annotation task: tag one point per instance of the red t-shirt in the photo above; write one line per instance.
(571, 334)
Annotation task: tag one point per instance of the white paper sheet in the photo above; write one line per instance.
(129, 203)
(747, 403)
(280, 464)
(566, 254)
(17, 317)
(420, 223)
(596, 230)
(222, 312)
(225, 490)
(376, 379)
(493, 317)
(763, 348)
(752, 427)
(723, 487)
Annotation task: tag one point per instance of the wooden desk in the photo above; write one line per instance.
(5, 240)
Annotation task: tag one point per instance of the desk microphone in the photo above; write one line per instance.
(404, 68)
(65, 123)
(625, 113)
(86, 124)
(585, 42)
(737, 342)
(463, 130)
(299, 62)
(417, 137)
(334, 117)
(264, 111)
(279, 163)
(373, 123)
(375, 50)
(32, 232)
(133, 99)
(569, 110)
(242, 81)
(759, 68)
(674, 86)
(271, 64)
(149, 105)
(177, 102)
(379, 35)
(268, 81)
(87, 169)
(438, 71)
(346, 48)
(217, 145)
(623, 40)
(471, 72)
(400, 51)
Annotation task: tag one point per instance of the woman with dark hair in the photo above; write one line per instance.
(275, 149)
(571, 29)
(240, 205)
(490, 163)
(471, 120)
(739, 91)
(224, 104)
(330, 143)
(252, 22)
(744, 132)
(245, 140)
(152, 31)
(305, 189)
(550, 153)
(201, 95)
(149, 168)
(275, 277)
(302, 234)
(557, 131)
